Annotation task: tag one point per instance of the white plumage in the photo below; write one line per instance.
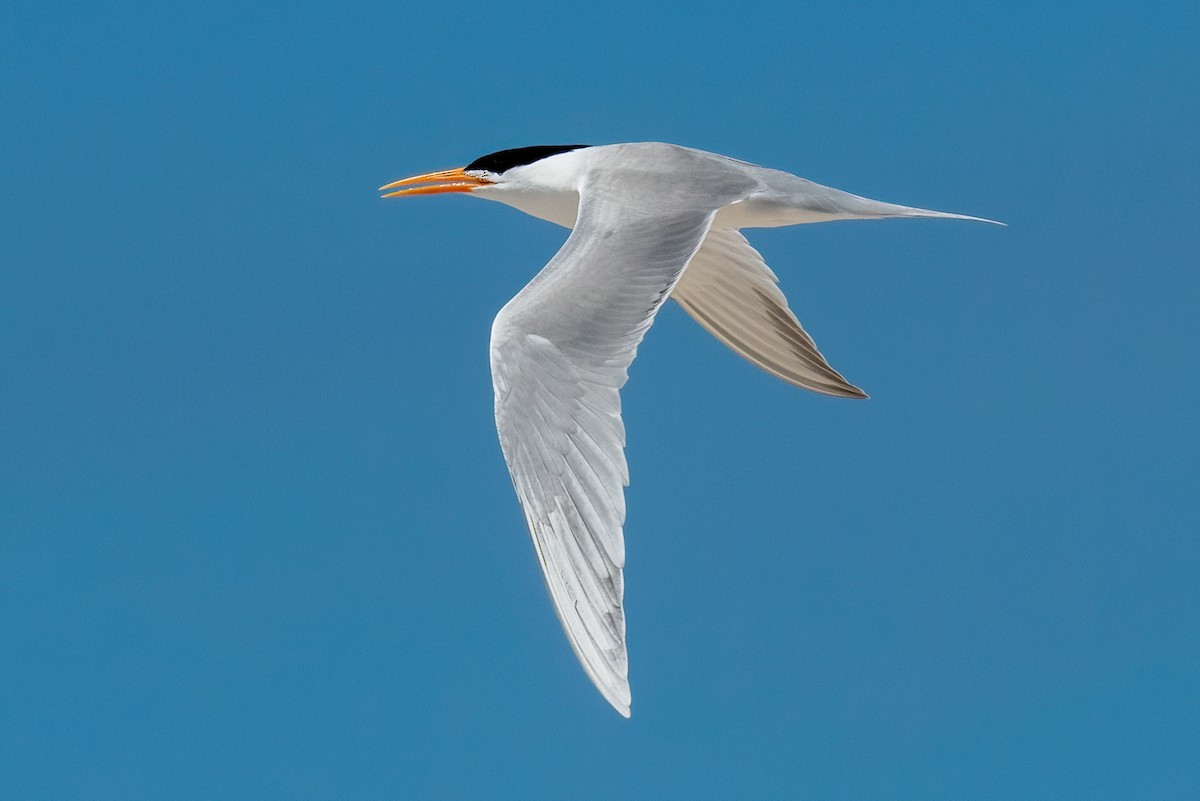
(649, 221)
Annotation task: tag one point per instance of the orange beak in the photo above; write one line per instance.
(435, 183)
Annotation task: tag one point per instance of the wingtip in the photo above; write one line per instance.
(844, 389)
(620, 699)
(617, 695)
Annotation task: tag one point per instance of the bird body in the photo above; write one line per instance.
(549, 188)
(648, 221)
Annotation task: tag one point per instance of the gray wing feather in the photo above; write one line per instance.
(560, 353)
(731, 291)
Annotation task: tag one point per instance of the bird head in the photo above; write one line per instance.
(526, 178)
(504, 168)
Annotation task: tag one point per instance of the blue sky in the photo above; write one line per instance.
(256, 536)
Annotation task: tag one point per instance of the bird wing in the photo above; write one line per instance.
(560, 352)
(731, 291)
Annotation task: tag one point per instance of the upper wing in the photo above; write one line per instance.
(560, 352)
(730, 290)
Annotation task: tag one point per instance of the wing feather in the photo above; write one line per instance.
(731, 291)
(560, 354)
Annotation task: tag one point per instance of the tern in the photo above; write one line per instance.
(649, 221)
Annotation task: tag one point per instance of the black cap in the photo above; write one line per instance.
(503, 160)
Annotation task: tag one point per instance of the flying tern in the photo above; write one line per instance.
(649, 221)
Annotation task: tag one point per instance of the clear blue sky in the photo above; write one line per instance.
(256, 536)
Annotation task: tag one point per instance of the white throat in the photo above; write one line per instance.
(556, 205)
